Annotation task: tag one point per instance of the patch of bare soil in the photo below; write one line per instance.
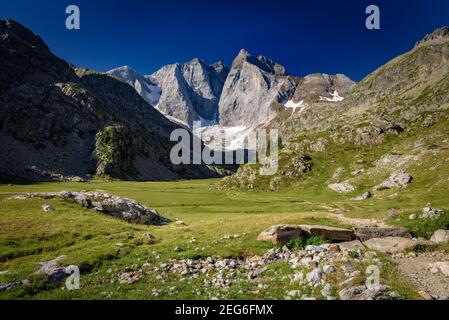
(416, 268)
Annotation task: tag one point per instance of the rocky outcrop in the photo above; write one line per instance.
(191, 90)
(439, 34)
(54, 272)
(321, 87)
(287, 233)
(428, 212)
(394, 244)
(344, 187)
(399, 179)
(122, 208)
(253, 88)
(365, 234)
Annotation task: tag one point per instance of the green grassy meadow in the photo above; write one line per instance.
(104, 246)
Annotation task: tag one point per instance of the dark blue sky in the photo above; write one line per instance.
(305, 36)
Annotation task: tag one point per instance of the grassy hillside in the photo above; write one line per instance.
(103, 246)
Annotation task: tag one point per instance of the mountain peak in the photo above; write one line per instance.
(438, 34)
(10, 29)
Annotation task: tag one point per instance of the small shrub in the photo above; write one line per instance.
(304, 241)
(424, 228)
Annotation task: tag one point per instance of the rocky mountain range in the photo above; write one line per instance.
(59, 122)
(62, 123)
(252, 93)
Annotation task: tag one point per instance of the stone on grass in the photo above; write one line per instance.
(363, 197)
(344, 187)
(399, 179)
(47, 208)
(428, 212)
(440, 237)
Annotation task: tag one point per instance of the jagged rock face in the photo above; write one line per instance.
(50, 116)
(439, 34)
(252, 89)
(190, 91)
(323, 87)
(147, 89)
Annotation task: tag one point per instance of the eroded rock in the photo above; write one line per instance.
(286, 233)
(343, 187)
(440, 237)
(365, 234)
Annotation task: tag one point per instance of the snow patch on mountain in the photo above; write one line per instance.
(335, 97)
(223, 138)
(145, 87)
(292, 105)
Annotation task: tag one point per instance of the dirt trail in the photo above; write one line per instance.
(414, 267)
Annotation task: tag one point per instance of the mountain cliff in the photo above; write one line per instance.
(58, 123)
(251, 88)
(190, 91)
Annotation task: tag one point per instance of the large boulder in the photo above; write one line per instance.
(365, 234)
(394, 244)
(53, 271)
(329, 233)
(355, 246)
(440, 237)
(282, 234)
(122, 208)
(399, 179)
(343, 187)
(378, 292)
(286, 233)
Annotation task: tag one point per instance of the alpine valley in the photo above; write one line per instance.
(86, 179)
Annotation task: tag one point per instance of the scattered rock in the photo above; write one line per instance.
(413, 216)
(130, 276)
(431, 213)
(378, 292)
(314, 276)
(440, 237)
(343, 187)
(365, 234)
(178, 249)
